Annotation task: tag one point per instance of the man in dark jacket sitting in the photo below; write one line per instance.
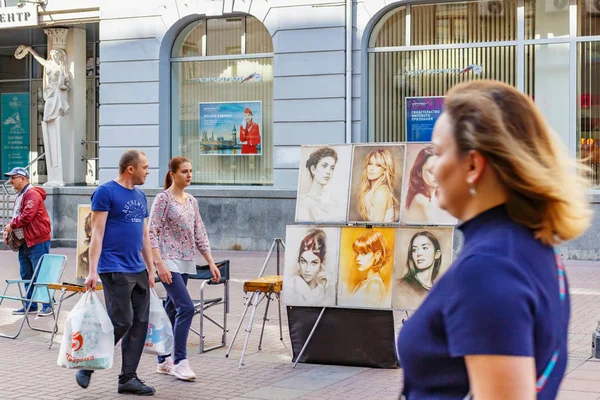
(30, 222)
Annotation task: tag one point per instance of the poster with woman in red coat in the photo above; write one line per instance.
(231, 128)
(249, 134)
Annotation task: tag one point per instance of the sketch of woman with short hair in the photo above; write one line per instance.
(309, 284)
(377, 201)
(319, 204)
(371, 255)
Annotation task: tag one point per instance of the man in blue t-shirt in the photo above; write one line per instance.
(120, 254)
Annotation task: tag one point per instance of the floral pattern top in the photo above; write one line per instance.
(176, 228)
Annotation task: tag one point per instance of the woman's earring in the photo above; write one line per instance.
(472, 190)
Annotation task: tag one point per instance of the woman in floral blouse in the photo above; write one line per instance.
(176, 230)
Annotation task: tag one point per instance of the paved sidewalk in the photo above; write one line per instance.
(29, 369)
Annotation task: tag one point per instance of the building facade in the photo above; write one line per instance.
(164, 76)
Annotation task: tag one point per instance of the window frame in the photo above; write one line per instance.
(573, 40)
(204, 57)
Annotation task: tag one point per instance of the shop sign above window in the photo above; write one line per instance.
(477, 69)
(14, 17)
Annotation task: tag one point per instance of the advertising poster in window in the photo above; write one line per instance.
(421, 114)
(232, 128)
(14, 119)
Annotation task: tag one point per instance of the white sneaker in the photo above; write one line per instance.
(183, 371)
(165, 367)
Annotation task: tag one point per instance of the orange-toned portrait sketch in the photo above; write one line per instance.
(366, 267)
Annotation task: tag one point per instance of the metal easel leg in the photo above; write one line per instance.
(309, 337)
(279, 308)
(280, 244)
(249, 330)
(237, 330)
(262, 331)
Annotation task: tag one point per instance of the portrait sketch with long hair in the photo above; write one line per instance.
(311, 266)
(84, 235)
(423, 254)
(376, 183)
(366, 267)
(323, 183)
(419, 202)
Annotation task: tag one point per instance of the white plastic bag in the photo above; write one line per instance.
(89, 339)
(159, 339)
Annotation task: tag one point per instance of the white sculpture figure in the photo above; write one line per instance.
(57, 84)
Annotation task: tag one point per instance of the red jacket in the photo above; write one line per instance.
(34, 218)
(250, 134)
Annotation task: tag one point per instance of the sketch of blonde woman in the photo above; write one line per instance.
(309, 285)
(371, 254)
(319, 203)
(376, 199)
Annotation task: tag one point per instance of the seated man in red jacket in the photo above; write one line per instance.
(31, 222)
(250, 134)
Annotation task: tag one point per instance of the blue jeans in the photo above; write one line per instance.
(28, 259)
(180, 309)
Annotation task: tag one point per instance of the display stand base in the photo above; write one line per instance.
(342, 336)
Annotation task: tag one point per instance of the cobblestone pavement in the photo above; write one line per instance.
(28, 368)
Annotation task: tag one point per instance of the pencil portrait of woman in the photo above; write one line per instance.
(376, 184)
(423, 255)
(323, 183)
(419, 204)
(311, 268)
(366, 267)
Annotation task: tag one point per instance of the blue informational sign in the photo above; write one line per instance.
(15, 116)
(421, 114)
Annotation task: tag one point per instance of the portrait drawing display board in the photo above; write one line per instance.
(323, 182)
(311, 266)
(366, 268)
(422, 255)
(84, 235)
(419, 204)
(376, 183)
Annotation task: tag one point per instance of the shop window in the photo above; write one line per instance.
(546, 19)
(207, 122)
(588, 18)
(465, 22)
(398, 75)
(588, 107)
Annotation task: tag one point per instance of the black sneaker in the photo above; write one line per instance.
(135, 386)
(83, 377)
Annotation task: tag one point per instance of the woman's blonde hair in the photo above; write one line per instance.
(367, 188)
(373, 242)
(547, 191)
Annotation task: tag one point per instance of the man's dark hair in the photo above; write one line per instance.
(130, 158)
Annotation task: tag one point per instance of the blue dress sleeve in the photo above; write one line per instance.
(492, 310)
(101, 199)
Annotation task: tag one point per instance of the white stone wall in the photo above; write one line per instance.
(309, 69)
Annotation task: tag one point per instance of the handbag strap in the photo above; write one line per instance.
(164, 216)
(562, 294)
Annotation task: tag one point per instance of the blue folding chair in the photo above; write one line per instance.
(48, 270)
